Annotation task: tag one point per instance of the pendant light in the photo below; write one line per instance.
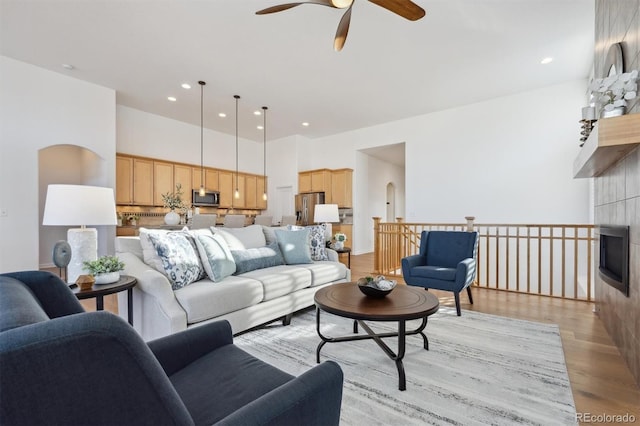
(202, 190)
(264, 155)
(236, 194)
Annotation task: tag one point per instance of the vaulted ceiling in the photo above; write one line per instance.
(461, 52)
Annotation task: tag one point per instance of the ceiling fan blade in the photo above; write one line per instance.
(281, 7)
(343, 30)
(405, 8)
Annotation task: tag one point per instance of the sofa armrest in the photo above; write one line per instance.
(465, 273)
(178, 350)
(155, 305)
(313, 398)
(332, 255)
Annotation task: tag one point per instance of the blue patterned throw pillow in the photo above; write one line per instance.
(179, 258)
(317, 240)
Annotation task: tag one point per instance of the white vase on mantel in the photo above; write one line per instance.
(172, 218)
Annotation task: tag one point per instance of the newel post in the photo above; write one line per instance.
(376, 243)
(470, 224)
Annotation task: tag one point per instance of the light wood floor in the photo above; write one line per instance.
(600, 379)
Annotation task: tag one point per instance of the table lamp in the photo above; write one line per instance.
(80, 205)
(326, 213)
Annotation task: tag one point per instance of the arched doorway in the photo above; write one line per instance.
(66, 164)
(391, 202)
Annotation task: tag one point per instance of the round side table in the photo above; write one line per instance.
(126, 282)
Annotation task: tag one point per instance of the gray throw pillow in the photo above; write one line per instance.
(294, 246)
(215, 255)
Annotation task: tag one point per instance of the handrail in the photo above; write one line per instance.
(545, 259)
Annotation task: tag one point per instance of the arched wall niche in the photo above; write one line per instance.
(67, 164)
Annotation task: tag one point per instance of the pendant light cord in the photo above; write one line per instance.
(237, 98)
(264, 147)
(201, 83)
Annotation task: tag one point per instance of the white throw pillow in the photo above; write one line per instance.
(216, 257)
(149, 253)
(242, 238)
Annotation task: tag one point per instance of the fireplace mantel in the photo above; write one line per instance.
(611, 139)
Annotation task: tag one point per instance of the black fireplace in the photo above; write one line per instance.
(614, 257)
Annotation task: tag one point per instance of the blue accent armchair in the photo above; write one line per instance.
(446, 261)
(60, 365)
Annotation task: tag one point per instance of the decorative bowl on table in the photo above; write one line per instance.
(377, 287)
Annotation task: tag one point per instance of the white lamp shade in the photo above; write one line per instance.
(326, 213)
(79, 205)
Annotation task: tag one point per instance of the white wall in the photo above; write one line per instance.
(506, 160)
(149, 135)
(40, 108)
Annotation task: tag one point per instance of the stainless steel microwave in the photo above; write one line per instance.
(209, 199)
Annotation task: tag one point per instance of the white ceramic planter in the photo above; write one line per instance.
(172, 218)
(108, 278)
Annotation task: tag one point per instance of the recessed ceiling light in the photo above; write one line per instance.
(186, 86)
(222, 115)
(171, 98)
(305, 124)
(546, 60)
(260, 127)
(68, 67)
(257, 113)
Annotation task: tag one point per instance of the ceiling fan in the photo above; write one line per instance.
(405, 8)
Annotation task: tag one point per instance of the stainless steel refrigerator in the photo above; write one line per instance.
(305, 207)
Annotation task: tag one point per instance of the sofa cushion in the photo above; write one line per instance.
(215, 255)
(149, 253)
(233, 376)
(281, 280)
(18, 305)
(325, 272)
(434, 272)
(205, 299)
(257, 258)
(248, 237)
(179, 257)
(294, 246)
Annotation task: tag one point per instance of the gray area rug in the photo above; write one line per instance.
(480, 370)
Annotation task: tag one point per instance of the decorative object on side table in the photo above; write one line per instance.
(105, 270)
(340, 239)
(85, 282)
(612, 93)
(377, 287)
(173, 201)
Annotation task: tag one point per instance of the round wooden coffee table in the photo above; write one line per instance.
(402, 304)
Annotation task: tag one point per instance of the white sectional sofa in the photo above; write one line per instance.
(246, 299)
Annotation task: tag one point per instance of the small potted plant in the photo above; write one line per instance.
(340, 239)
(105, 269)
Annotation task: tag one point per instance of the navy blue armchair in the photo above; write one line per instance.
(60, 365)
(446, 261)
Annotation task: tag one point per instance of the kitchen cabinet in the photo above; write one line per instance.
(341, 188)
(251, 190)
(304, 182)
(321, 181)
(162, 181)
(211, 179)
(261, 186)
(226, 187)
(142, 182)
(240, 202)
(182, 176)
(124, 180)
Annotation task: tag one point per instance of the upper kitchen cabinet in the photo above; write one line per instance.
(162, 181)
(341, 188)
(142, 182)
(124, 180)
